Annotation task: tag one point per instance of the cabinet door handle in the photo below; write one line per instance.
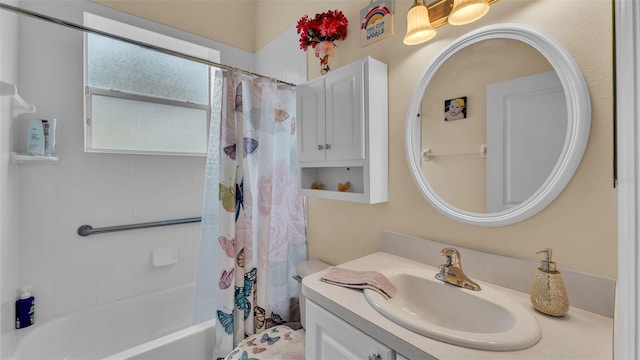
(373, 356)
(320, 147)
(327, 146)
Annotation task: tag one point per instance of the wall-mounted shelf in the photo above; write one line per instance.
(18, 105)
(330, 177)
(31, 159)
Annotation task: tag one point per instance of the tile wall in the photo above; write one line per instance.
(8, 181)
(269, 60)
(70, 273)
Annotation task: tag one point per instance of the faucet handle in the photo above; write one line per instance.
(451, 255)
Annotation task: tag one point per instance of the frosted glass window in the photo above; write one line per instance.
(117, 65)
(140, 100)
(149, 127)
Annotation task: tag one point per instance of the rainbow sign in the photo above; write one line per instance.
(376, 22)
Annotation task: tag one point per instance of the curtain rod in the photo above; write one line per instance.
(130, 41)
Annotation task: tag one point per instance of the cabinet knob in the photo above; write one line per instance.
(320, 147)
(373, 356)
(328, 146)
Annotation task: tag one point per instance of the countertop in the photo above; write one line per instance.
(578, 335)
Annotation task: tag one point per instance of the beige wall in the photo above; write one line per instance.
(580, 225)
(230, 22)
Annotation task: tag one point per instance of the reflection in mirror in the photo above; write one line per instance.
(515, 108)
(520, 128)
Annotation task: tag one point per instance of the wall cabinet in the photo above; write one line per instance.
(342, 127)
(329, 337)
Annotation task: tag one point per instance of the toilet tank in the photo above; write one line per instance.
(303, 269)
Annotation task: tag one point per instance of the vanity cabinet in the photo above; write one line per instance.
(329, 337)
(342, 126)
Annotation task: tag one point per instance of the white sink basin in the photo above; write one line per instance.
(487, 319)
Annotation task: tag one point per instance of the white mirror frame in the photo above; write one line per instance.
(579, 122)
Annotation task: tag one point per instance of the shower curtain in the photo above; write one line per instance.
(254, 231)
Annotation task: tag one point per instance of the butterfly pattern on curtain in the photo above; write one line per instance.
(261, 226)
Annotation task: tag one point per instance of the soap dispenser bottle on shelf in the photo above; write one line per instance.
(548, 294)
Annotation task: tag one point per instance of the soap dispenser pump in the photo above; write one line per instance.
(548, 294)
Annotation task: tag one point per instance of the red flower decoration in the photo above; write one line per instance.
(327, 26)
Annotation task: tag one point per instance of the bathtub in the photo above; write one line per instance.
(154, 327)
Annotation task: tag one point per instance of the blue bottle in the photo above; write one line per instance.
(25, 309)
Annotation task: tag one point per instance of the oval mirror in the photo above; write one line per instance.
(497, 125)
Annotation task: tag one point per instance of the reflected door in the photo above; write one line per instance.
(526, 129)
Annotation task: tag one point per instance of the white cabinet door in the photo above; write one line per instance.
(329, 337)
(310, 121)
(330, 116)
(344, 114)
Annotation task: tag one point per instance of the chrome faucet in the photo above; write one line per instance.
(451, 271)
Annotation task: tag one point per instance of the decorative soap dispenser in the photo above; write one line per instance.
(548, 294)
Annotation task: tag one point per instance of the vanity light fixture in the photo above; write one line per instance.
(423, 19)
(467, 11)
(419, 27)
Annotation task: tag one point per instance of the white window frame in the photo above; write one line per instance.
(123, 30)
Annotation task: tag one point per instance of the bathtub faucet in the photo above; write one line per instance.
(451, 271)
